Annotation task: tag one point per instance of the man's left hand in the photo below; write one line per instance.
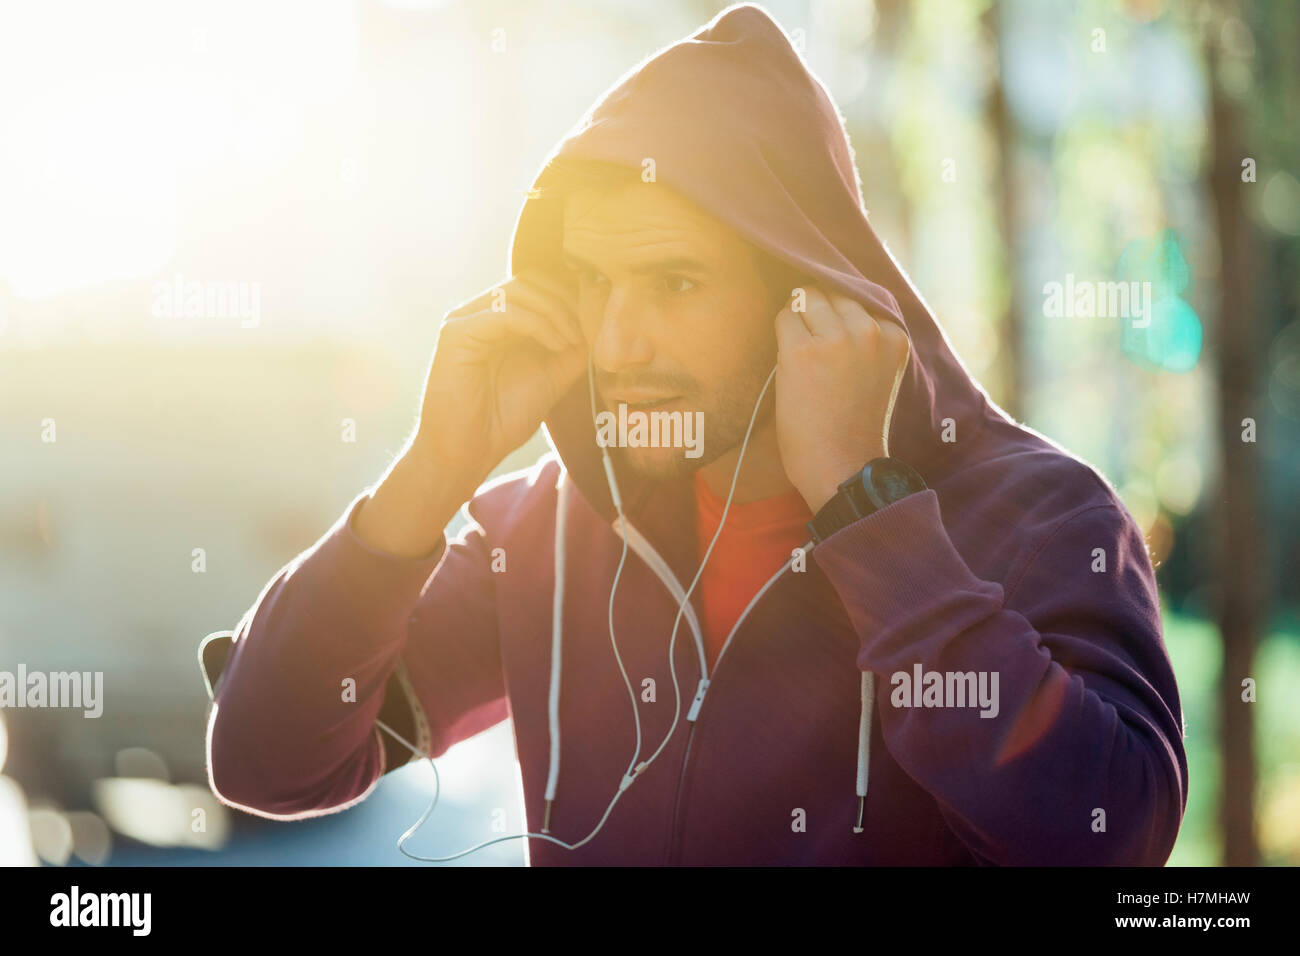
(837, 376)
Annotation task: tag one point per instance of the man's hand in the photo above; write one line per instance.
(838, 374)
(501, 362)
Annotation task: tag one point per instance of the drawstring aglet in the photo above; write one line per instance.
(546, 818)
(861, 802)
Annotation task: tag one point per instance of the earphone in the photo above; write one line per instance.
(635, 769)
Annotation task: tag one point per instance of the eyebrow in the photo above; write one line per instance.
(671, 264)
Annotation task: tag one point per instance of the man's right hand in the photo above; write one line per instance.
(501, 361)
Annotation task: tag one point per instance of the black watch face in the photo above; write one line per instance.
(893, 480)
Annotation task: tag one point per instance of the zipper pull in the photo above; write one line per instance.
(699, 699)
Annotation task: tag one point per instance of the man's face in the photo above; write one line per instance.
(676, 313)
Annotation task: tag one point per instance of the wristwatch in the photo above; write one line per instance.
(882, 482)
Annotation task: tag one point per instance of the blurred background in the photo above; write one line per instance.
(228, 232)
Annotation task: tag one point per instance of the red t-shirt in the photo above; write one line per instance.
(756, 541)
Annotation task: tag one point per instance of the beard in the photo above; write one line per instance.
(725, 410)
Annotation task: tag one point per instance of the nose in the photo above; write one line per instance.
(620, 341)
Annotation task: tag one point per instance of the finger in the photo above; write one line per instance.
(498, 328)
(819, 316)
(895, 339)
(790, 331)
(851, 312)
(532, 284)
(547, 303)
(566, 291)
(871, 329)
(480, 302)
(499, 299)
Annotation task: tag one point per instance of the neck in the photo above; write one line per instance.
(761, 476)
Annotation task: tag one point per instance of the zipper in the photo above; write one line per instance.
(639, 544)
(674, 854)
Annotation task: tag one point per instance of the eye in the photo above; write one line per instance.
(677, 284)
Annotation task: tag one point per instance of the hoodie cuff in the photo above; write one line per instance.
(390, 580)
(898, 573)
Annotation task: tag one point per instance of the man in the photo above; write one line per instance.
(696, 251)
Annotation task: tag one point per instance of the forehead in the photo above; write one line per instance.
(643, 218)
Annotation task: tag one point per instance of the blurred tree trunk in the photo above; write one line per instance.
(890, 38)
(1240, 548)
(998, 118)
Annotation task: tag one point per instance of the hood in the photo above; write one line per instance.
(737, 123)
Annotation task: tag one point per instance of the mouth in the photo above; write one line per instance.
(661, 403)
(645, 405)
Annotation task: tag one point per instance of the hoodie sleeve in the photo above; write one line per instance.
(292, 733)
(1087, 728)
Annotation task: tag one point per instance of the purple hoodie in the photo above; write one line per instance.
(1019, 564)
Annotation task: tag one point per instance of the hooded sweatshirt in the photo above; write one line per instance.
(974, 674)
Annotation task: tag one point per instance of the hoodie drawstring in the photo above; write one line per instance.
(864, 740)
(557, 635)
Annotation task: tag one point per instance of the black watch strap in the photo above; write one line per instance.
(840, 512)
(880, 483)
